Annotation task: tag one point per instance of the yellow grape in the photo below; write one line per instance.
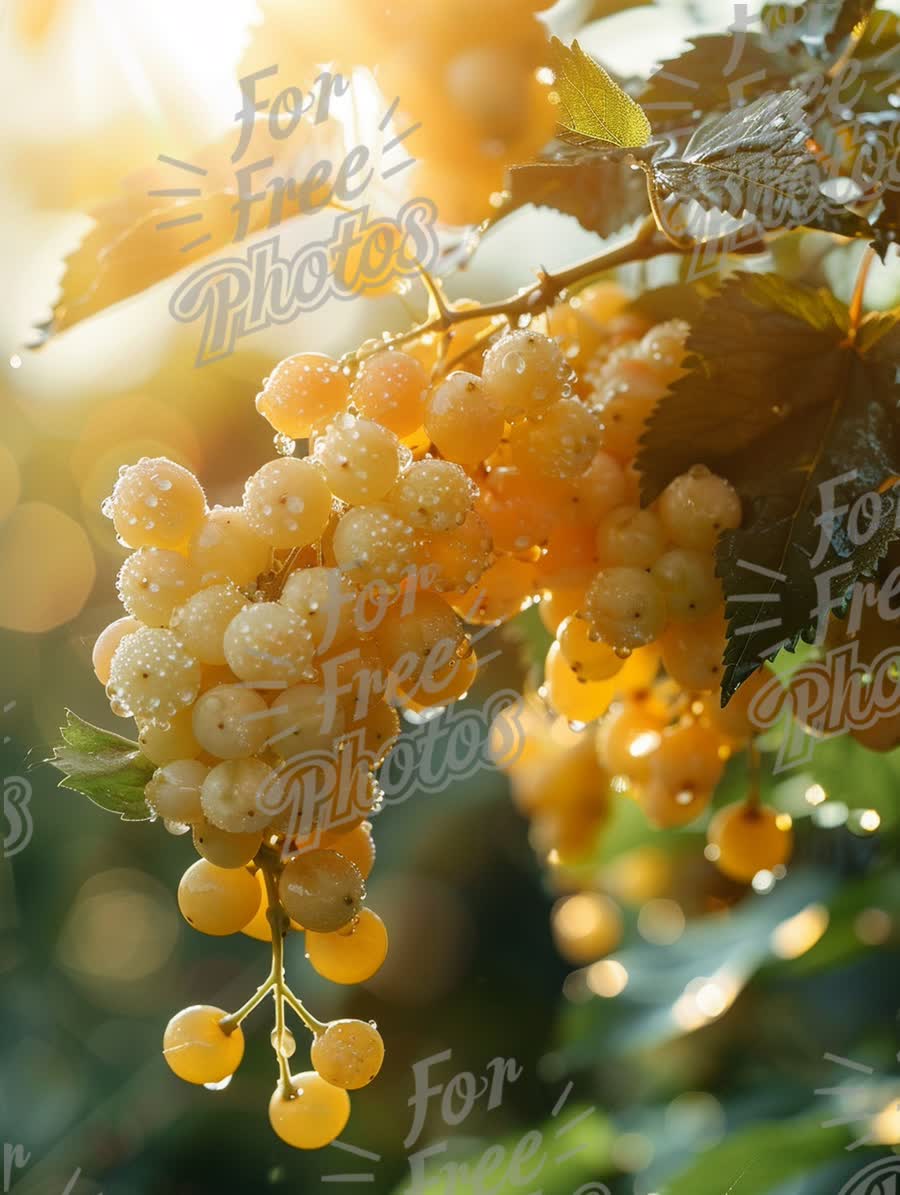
(351, 955)
(390, 389)
(322, 890)
(314, 1115)
(348, 1054)
(750, 839)
(197, 1049)
(569, 695)
(107, 642)
(590, 659)
(217, 900)
(301, 392)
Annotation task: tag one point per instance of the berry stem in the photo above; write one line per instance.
(859, 290)
(233, 1020)
(315, 1027)
(279, 923)
(647, 243)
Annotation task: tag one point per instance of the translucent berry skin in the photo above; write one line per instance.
(107, 642)
(560, 445)
(164, 742)
(667, 807)
(325, 601)
(503, 590)
(268, 642)
(197, 1049)
(348, 1054)
(360, 459)
(750, 840)
(358, 846)
(156, 504)
(322, 890)
(304, 718)
(590, 659)
(570, 695)
(433, 495)
(259, 927)
(688, 758)
(238, 795)
(462, 419)
(693, 652)
(627, 739)
(390, 389)
(316, 1114)
(442, 684)
(600, 489)
(224, 849)
(216, 900)
(301, 392)
(351, 955)
(226, 548)
(631, 537)
(697, 507)
(372, 544)
(458, 558)
(410, 636)
(152, 582)
(688, 580)
(231, 721)
(151, 675)
(525, 372)
(174, 791)
(287, 503)
(625, 607)
(202, 620)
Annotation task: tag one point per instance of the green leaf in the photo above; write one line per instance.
(593, 108)
(565, 1151)
(782, 404)
(105, 767)
(759, 1160)
(676, 300)
(717, 72)
(599, 188)
(754, 160)
(652, 1009)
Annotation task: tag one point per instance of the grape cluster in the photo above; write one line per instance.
(631, 596)
(267, 649)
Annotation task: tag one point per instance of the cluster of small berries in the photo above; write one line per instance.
(267, 648)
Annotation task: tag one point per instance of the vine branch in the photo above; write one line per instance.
(648, 242)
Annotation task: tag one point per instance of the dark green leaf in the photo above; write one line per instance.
(761, 1159)
(718, 72)
(600, 189)
(677, 300)
(754, 160)
(105, 767)
(886, 225)
(782, 405)
(822, 27)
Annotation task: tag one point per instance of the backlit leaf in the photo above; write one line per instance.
(592, 107)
